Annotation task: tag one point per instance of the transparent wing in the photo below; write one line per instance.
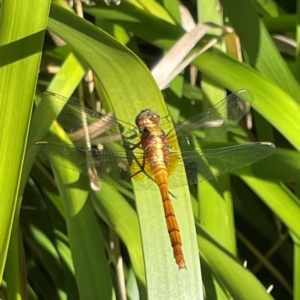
(101, 128)
(117, 165)
(211, 125)
(118, 168)
(112, 167)
(208, 164)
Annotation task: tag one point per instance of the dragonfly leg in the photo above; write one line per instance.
(142, 170)
(135, 146)
(142, 167)
(171, 194)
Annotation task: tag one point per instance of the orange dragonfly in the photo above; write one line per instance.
(154, 153)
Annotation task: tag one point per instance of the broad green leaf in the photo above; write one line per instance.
(21, 39)
(269, 99)
(92, 272)
(215, 200)
(124, 81)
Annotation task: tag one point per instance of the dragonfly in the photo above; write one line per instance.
(154, 153)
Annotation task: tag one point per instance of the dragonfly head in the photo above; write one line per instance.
(146, 117)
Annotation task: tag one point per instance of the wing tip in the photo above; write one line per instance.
(268, 144)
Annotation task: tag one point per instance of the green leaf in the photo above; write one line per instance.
(227, 270)
(269, 99)
(125, 80)
(21, 41)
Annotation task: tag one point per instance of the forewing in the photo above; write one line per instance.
(77, 121)
(211, 125)
(111, 157)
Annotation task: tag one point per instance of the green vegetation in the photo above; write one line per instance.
(56, 233)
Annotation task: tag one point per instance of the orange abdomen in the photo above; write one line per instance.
(160, 174)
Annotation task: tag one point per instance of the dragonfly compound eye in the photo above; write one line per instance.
(147, 115)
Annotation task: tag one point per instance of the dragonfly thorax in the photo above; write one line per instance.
(147, 118)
